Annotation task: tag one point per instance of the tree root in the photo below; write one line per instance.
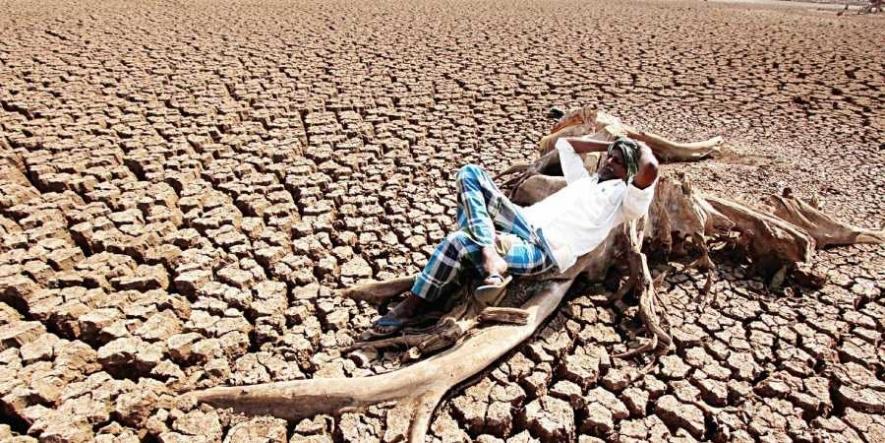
(587, 120)
(416, 389)
(534, 186)
(519, 167)
(640, 276)
(772, 242)
(824, 229)
(704, 263)
(406, 340)
(461, 343)
(648, 346)
(541, 167)
(376, 292)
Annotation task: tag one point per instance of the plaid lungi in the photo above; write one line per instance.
(484, 215)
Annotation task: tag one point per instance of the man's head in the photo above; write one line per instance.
(622, 161)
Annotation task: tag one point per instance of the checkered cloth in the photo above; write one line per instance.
(483, 210)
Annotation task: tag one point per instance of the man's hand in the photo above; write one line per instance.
(648, 168)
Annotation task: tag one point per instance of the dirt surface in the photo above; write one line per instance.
(185, 184)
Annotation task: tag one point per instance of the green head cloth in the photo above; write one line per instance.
(629, 151)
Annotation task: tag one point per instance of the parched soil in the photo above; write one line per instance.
(185, 184)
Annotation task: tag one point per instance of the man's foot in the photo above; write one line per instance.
(491, 294)
(491, 290)
(385, 326)
(397, 318)
(494, 265)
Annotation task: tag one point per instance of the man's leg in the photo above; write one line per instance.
(527, 258)
(449, 259)
(482, 208)
(455, 252)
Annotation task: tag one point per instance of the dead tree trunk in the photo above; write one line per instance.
(417, 389)
(824, 229)
(603, 126)
(588, 120)
(775, 239)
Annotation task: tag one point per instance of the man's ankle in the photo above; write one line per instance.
(492, 260)
(411, 305)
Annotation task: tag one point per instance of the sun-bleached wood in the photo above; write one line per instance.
(461, 344)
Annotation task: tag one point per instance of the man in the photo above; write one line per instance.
(498, 237)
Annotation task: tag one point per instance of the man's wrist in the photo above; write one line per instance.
(645, 153)
(563, 143)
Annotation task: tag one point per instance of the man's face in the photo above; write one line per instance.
(614, 167)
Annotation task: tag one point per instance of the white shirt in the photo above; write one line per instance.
(577, 218)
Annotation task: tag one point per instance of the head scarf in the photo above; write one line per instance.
(629, 151)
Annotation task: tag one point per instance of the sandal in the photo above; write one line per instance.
(491, 294)
(384, 327)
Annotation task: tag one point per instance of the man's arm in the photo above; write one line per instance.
(648, 168)
(639, 194)
(572, 165)
(585, 145)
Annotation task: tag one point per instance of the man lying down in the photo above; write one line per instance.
(499, 239)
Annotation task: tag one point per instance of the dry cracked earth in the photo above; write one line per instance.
(186, 184)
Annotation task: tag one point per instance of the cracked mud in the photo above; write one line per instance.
(183, 186)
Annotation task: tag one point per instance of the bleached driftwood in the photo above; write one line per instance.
(775, 239)
(588, 120)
